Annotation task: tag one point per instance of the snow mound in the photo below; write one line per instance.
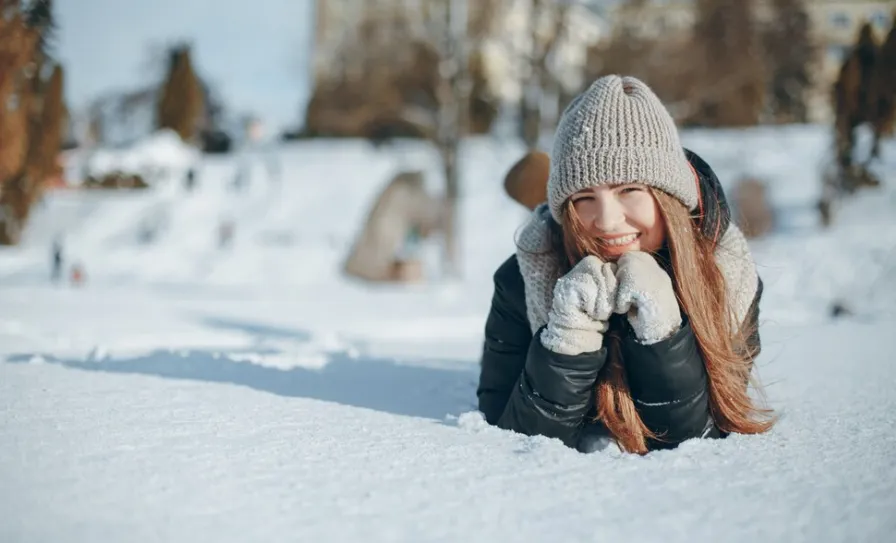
(162, 151)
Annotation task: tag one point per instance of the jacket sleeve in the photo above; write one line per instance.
(523, 386)
(669, 384)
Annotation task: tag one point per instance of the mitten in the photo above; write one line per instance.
(582, 304)
(646, 295)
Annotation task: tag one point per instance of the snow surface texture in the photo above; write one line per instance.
(192, 393)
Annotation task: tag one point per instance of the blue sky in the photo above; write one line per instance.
(255, 52)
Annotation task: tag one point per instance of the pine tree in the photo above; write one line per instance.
(732, 80)
(28, 150)
(17, 43)
(885, 80)
(856, 102)
(181, 103)
(866, 53)
(39, 16)
(46, 143)
(854, 94)
(789, 57)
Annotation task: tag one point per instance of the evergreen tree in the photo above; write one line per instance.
(885, 79)
(39, 16)
(854, 94)
(181, 104)
(46, 143)
(17, 42)
(28, 151)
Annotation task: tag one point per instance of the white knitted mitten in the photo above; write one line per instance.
(582, 304)
(647, 296)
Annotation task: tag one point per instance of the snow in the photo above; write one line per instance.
(163, 149)
(188, 392)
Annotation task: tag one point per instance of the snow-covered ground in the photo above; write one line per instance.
(187, 392)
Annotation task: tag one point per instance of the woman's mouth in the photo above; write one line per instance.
(619, 241)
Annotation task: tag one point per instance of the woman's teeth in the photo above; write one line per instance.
(624, 240)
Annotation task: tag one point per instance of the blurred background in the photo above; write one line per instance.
(380, 140)
(247, 248)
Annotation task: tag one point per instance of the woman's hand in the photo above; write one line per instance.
(647, 296)
(582, 304)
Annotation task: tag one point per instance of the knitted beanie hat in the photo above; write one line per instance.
(614, 133)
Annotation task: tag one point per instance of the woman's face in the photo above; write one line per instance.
(622, 218)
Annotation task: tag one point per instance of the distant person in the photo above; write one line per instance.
(190, 180)
(629, 312)
(58, 261)
(78, 275)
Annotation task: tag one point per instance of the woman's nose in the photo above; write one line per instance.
(609, 216)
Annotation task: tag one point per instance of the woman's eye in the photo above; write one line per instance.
(627, 190)
(582, 199)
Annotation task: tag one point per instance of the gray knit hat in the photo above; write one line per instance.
(618, 132)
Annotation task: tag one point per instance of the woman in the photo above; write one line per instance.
(630, 309)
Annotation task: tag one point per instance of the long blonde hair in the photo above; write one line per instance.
(726, 354)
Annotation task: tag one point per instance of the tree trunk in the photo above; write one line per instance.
(530, 115)
(454, 112)
(449, 214)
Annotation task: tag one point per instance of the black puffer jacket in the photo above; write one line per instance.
(529, 389)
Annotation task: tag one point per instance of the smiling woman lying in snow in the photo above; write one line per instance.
(631, 306)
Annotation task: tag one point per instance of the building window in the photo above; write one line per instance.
(840, 19)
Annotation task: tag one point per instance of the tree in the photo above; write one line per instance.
(547, 22)
(885, 93)
(452, 96)
(731, 76)
(665, 63)
(17, 43)
(855, 101)
(789, 58)
(47, 139)
(39, 16)
(460, 28)
(382, 76)
(214, 136)
(29, 103)
(409, 69)
(181, 104)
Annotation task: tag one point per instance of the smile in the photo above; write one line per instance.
(620, 241)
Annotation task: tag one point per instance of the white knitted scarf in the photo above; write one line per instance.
(540, 272)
